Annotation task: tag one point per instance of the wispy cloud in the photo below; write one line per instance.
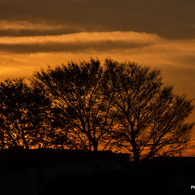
(103, 41)
(141, 47)
(25, 25)
(148, 49)
(84, 37)
(39, 28)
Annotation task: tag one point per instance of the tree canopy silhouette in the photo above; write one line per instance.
(118, 106)
(150, 117)
(83, 109)
(22, 114)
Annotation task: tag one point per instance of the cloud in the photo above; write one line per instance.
(24, 25)
(69, 47)
(25, 28)
(102, 41)
(85, 36)
(144, 48)
(163, 17)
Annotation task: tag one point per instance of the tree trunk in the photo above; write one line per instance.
(95, 146)
(3, 140)
(136, 154)
(25, 141)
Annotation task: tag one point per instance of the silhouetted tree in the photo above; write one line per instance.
(83, 110)
(23, 112)
(150, 118)
(121, 106)
(57, 133)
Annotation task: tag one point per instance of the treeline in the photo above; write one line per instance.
(117, 106)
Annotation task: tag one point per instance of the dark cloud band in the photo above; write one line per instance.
(70, 47)
(163, 17)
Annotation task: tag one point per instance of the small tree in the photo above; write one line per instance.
(23, 111)
(150, 118)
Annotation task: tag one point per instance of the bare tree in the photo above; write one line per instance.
(150, 118)
(83, 108)
(23, 111)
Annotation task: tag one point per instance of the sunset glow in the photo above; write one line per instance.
(160, 34)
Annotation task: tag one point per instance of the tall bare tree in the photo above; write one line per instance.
(83, 108)
(150, 118)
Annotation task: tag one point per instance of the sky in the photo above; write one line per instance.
(36, 34)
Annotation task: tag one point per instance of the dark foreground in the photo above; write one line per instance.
(44, 172)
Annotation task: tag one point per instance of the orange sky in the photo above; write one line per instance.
(156, 33)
